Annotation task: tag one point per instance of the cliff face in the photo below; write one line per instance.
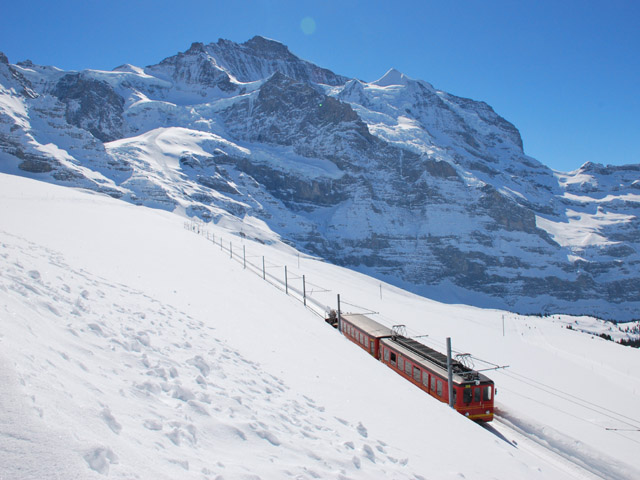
(424, 189)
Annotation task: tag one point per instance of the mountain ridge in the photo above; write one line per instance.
(419, 187)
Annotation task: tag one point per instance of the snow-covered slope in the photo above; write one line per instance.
(421, 188)
(129, 349)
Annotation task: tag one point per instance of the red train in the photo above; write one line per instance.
(425, 367)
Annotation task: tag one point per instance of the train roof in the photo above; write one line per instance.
(434, 360)
(367, 325)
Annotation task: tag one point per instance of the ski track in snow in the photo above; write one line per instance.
(142, 373)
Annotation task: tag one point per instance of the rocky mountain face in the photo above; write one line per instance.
(395, 178)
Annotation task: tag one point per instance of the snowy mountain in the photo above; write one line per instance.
(129, 349)
(418, 187)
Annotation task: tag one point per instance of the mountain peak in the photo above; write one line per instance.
(259, 57)
(392, 77)
(196, 47)
(263, 44)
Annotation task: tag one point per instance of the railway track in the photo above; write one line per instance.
(564, 456)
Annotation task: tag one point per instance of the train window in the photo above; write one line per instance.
(407, 368)
(425, 379)
(487, 394)
(476, 394)
(433, 383)
(400, 363)
(393, 358)
(439, 388)
(416, 374)
(372, 347)
(455, 396)
(386, 355)
(466, 396)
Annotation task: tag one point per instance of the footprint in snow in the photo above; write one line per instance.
(369, 453)
(201, 364)
(268, 436)
(34, 274)
(100, 458)
(152, 425)
(110, 420)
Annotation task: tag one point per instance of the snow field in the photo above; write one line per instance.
(135, 349)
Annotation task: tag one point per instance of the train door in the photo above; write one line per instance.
(477, 394)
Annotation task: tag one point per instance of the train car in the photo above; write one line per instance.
(423, 366)
(364, 332)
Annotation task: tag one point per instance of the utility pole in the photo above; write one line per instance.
(244, 256)
(264, 276)
(286, 282)
(450, 372)
(304, 291)
(339, 316)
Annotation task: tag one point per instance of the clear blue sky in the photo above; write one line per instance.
(565, 72)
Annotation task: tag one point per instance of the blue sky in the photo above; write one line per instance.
(566, 73)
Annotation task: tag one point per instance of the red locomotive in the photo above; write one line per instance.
(425, 367)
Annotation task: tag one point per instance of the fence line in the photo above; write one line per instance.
(283, 284)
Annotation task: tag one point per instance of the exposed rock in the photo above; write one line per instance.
(506, 212)
(441, 169)
(92, 105)
(36, 165)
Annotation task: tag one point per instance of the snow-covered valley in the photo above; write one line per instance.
(131, 347)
